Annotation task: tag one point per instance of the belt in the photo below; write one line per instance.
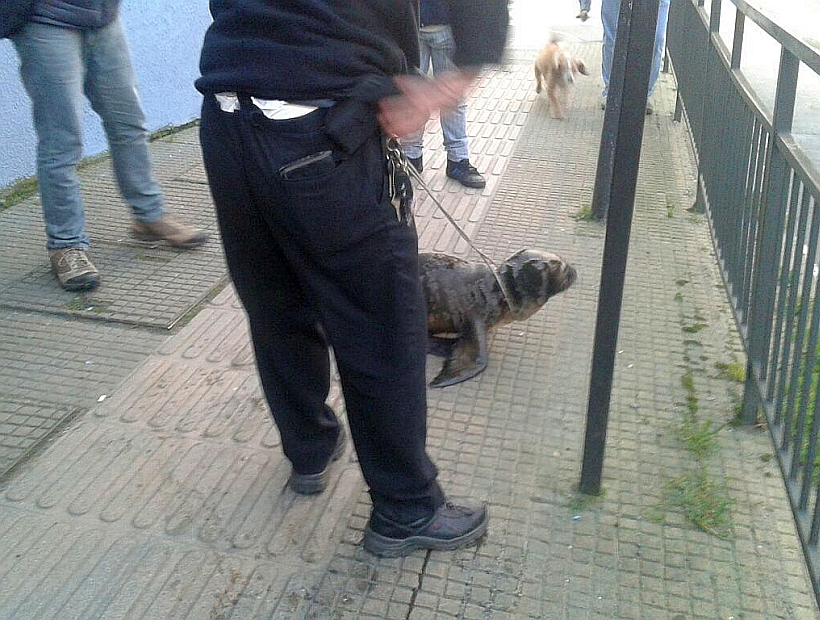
(274, 109)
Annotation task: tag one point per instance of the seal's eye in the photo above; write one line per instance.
(530, 277)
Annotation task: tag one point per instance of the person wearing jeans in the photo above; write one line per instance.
(583, 14)
(67, 49)
(610, 9)
(437, 47)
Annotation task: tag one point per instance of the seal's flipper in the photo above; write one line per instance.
(440, 347)
(468, 357)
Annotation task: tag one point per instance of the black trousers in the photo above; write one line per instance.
(320, 259)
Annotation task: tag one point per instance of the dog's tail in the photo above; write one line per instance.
(555, 37)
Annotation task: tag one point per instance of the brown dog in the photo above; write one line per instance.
(557, 68)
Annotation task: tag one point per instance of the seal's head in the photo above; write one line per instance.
(531, 277)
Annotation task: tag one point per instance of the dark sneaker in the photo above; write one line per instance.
(583, 15)
(168, 229)
(74, 270)
(417, 163)
(452, 526)
(465, 173)
(310, 484)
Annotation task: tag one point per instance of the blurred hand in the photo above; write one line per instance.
(405, 114)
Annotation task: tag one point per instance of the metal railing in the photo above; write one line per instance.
(761, 191)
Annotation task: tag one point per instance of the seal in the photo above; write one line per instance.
(465, 301)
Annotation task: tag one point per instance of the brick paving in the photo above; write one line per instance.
(143, 477)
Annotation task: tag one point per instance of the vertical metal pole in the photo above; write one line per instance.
(714, 17)
(618, 159)
(737, 39)
(769, 239)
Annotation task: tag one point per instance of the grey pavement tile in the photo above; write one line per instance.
(140, 286)
(77, 372)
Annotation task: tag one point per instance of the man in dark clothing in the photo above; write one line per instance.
(68, 48)
(298, 98)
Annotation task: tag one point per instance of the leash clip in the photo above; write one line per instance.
(399, 186)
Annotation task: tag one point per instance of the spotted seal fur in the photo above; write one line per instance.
(465, 301)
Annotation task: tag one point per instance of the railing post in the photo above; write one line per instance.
(737, 39)
(769, 239)
(783, 113)
(618, 161)
(714, 17)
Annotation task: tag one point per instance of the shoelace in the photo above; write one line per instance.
(456, 508)
(74, 258)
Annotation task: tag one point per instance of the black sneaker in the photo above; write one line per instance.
(310, 484)
(452, 526)
(417, 163)
(465, 173)
(583, 15)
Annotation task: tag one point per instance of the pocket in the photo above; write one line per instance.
(333, 200)
(310, 167)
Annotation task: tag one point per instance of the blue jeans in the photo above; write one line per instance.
(585, 4)
(609, 16)
(57, 66)
(438, 47)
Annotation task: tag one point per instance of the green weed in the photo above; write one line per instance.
(732, 372)
(18, 192)
(584, 214)
(699, 438)
(704, 503)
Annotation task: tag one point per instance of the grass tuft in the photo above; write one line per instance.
(584, 214)
(705, 503)
(732, 372)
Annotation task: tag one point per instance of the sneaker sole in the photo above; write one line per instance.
(311, 484)
(187, 245)
(386, 547)
(82, 285)
(470, 185)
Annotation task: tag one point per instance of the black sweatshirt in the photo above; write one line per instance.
(300, 50)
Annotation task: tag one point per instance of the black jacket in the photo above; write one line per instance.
(78, 14)
(433, 13)
(333, 49)
(13, 14)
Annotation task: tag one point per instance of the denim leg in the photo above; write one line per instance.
(51, 68)
(111, 87)
(660, 43)
(412, 145)
(609, 16)
(585, 4)
(453, 123)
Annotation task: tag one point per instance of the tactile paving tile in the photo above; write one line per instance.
(140, 285)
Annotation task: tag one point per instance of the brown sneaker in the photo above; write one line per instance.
(74, 270)
(168, 229)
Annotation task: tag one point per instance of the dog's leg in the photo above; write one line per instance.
(555, 102)
(537, 79)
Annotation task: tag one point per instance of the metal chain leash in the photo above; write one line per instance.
(396, 158)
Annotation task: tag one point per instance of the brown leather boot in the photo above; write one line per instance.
(171, 231)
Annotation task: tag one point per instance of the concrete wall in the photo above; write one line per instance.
(165, 37)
